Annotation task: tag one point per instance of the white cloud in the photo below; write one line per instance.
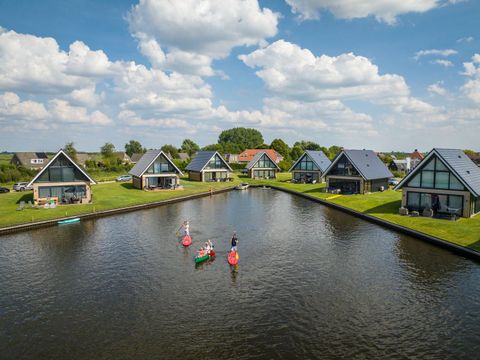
(317, 87)
(434, 52)
(466, 39)
(383, 10)
(62, 111)
(437, 89)
(13, 108)
(290, 70)
(471, 88)
(445, 63)
(186, 36)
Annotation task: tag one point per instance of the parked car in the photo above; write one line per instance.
(124, 178)
(4, 190)
(21, 186)
(393, 182)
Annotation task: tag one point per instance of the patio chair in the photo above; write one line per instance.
(31, 205)
(21, 206)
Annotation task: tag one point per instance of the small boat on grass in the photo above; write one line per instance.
(187, 240)
(242, 186)
(68, 221)
(233, 257)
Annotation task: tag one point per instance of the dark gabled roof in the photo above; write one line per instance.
(147, 159)
(458, 163)
(136, 157)
(201, 160)
(366, 162)
(257, 157)
(318, 157)
(51, 162)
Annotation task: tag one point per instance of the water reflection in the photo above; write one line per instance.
(313, 283)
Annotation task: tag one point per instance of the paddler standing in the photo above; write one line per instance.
(234, 241)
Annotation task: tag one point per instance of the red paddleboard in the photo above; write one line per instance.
(233, 257)
(187, 240)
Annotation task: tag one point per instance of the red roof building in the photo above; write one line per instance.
(416, 155)
(248, 155)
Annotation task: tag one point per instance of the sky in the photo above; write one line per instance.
(370, 74)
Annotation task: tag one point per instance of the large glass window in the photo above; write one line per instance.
(344, 167)
(440, 203)
(264, 163)
(306, 164)
(64, 194)
(435, 175)
(62, 170)
(216, 163)
(264, 174)
(161, 165)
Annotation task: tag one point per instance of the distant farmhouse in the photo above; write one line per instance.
(30, 160)
(247, 155)
(409, 163)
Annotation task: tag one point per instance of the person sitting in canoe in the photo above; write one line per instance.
(201, 252)
(208, 245)
(234, 241)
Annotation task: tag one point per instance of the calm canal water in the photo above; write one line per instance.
(312, 283)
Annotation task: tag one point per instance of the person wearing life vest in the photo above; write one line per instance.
(234, 241)
(201, 252)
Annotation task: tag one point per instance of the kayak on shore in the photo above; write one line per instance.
(233, 257)
(68, 221)
(187, 240)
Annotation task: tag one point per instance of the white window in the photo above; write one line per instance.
(36, 161)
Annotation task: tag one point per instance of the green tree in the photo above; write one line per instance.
(281, 147)
(285, 165)
(245, 138)
(333, 151)
(213, 147)
(308, 145)
(70, 150)
(107, 150)
(469, 152)
(134, 147)
(172, 150)
(296, 152)
(189, 147)
(262, 146)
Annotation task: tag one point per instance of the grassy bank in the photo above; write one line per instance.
(105, 197)
(385, 205)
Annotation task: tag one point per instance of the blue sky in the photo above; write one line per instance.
(379, 74)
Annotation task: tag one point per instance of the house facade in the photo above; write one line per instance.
(30, 160)
(262, 166)
(247, 155)
(357, 172)
(446, 181)
(62, 181)
(309, 167)
(208, 166)
(155, 170)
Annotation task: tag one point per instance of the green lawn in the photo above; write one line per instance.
(385, 205)
(105, 197)
(465, 232)
(5, 159)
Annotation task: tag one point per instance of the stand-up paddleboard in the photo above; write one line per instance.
(68, 221)
(233, 257)
(187, 240)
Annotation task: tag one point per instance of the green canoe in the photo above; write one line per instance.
(201, 259)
